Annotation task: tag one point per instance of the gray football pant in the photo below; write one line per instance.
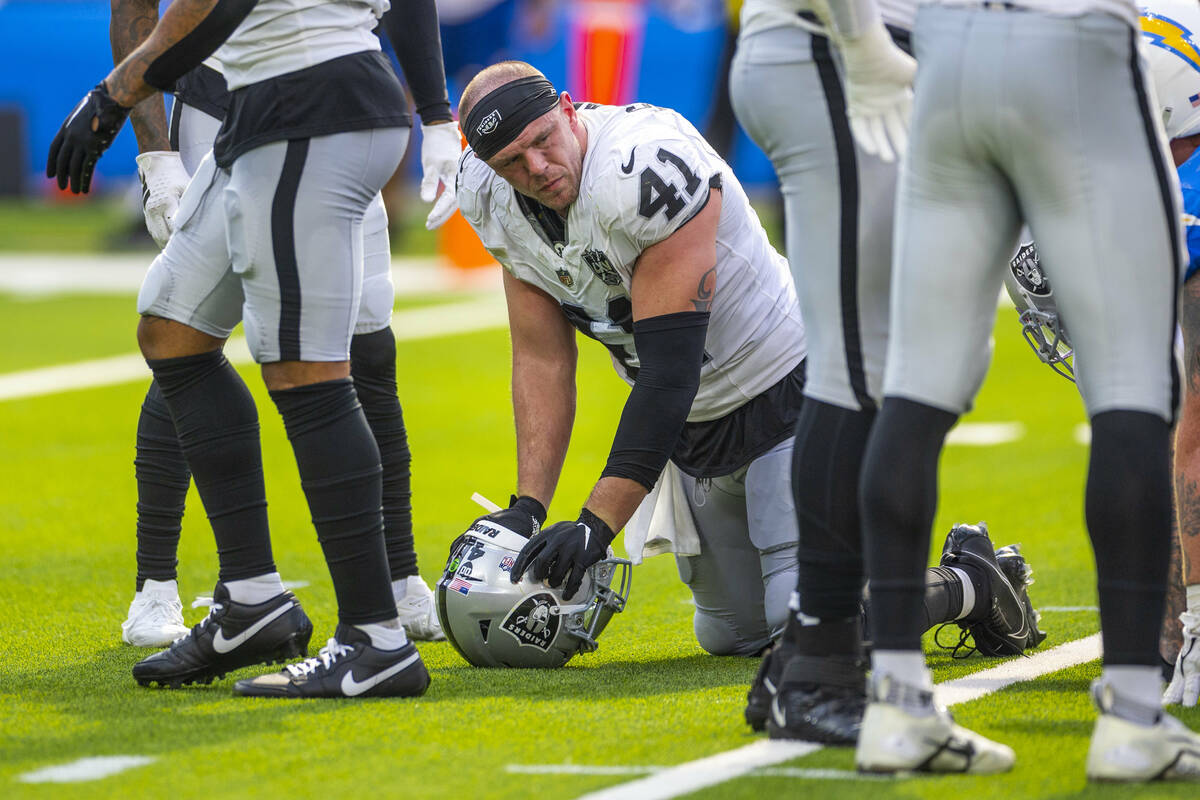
(838, 204)
(335, 261)
(1022, 116)
(746, 570)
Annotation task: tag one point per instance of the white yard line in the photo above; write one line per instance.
(765, 772)
(985, 434)
(420, 323)
(84, 769)
(1068, 608)
(701, 773)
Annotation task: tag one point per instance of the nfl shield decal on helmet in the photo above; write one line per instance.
(534, 621)
(598, 261)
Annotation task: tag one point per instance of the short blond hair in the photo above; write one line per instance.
(491, 78)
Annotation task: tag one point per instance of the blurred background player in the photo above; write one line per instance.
(293, 171)
(994, 144)
(169, 156)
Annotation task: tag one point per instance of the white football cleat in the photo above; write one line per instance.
(1136, 743)
(414, 604)
(155, 616)
(905, 731)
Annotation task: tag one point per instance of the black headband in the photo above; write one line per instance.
(501, 114)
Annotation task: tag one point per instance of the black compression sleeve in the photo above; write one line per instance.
(671, 351)
(415, 38)
(200, 43)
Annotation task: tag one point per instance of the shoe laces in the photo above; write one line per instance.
(961, 648)
(325, 658)
(213, 607)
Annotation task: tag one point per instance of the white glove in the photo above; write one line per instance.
(163, 181)
(879, 78)
(1185, 683)
(441, 147)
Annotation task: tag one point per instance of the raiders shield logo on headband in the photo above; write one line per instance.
(489, 123)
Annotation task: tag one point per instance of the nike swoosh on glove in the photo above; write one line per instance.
(83, 137)
(1185, 683)
(163, 181)
(879, 95)
(564, 551)
(441, 147)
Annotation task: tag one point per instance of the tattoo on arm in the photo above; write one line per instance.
(705, 290)
(130, 25)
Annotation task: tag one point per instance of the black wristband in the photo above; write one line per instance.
(530, 505)
(599, 527)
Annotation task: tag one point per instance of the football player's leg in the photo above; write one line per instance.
(303, 287)
(1185, 683)
(726, 578)
(1107, 252)
(956, 223)
(373, 370)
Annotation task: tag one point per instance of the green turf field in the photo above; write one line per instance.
(648, 698)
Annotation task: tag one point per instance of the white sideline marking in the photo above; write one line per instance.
(421, 323)
(765, 772)
(1083, 433)
(985, 434)
(701, 773)
(1068, 608)
(85, 769)
(289, 585)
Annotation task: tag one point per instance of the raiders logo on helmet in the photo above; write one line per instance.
(489, 123)
(1028, 271)
(598, 261)
(534, 621)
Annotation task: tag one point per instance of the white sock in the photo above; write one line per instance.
(968, 589)
(160, 588)
(1141, 685)
(385, 635)
(1193, 598)
(794, 601)
(905, 666)
(252, 591)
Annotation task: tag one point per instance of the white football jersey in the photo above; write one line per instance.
(1125, 9)
(761, 15)
(282, 36)
(646, 172)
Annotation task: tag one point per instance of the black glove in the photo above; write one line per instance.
(565, 550)
(524, 515)
(83, 136)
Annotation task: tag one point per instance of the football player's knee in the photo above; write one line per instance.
(722, 637)
(373, 354)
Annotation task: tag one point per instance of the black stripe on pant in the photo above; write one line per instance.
(847, 166)
(283, 244)
(1171, 210)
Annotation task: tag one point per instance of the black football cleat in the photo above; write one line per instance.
(766, 683)
(820, 699)
(348, 666)
(1000, 624)
(232, 636)
(1020, 575)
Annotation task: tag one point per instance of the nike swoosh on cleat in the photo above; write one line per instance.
(223, 645)
(353, 688)
(628, 168)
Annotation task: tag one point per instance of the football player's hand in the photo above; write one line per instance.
(1185, 684)
(564, 551)
(84, 135)
(524, 516)
(441, 147)
(879, 78)
(163, 181)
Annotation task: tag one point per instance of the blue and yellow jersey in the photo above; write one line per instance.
(1189, 182)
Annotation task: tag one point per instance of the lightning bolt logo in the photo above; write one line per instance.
(1170, 35)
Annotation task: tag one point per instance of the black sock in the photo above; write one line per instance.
(1128, 509)
(340, 473)
(943, 596)
(162, 483)
(899, 499)
(826, 462)
(373, 368)
(217, 424)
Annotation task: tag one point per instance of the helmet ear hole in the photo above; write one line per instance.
(485, 627)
